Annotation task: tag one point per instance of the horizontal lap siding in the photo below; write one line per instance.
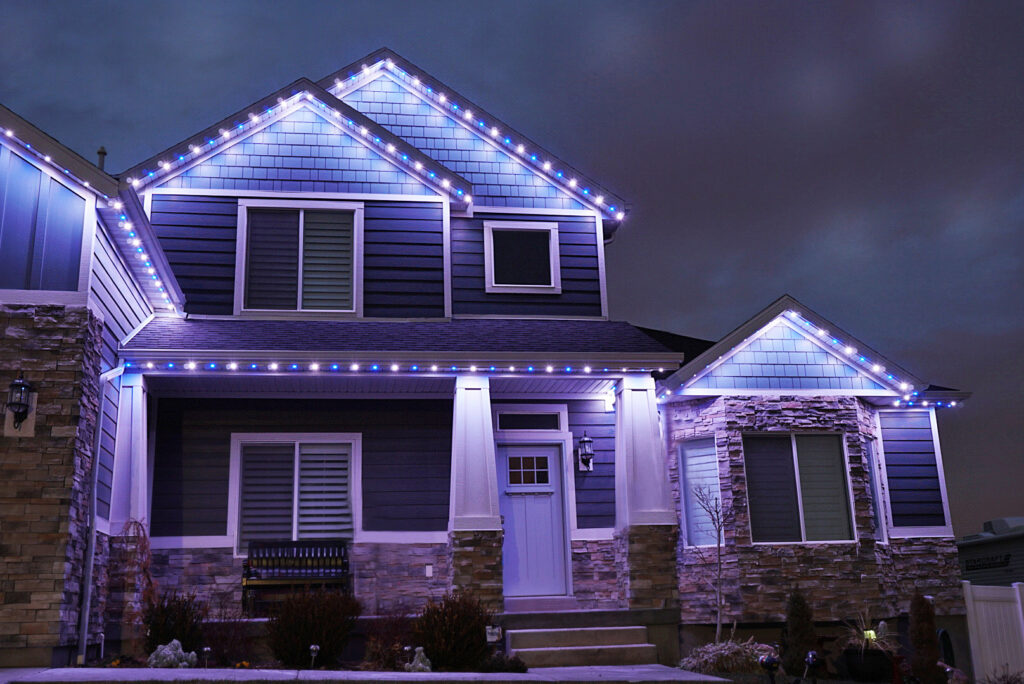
(198, 237)
(406, 458)
(403, 262)
(915, 493)
(114, 292)
(578, 253)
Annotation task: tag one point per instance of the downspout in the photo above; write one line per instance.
(90, 544)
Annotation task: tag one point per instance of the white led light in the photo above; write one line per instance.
(468, 115)
(273, 366)
(521, 149)
(9, 132)
(253, 118)
(354, 367)
(434, 368)
(164, 165)
(118, 205)
(547, 166)
(822, 332)
(150, 271)
(494, 131)
(661, 370)
(136, 242)
(876, 368)
(419, 166)
(394, 367)
(144, 256)
(468, 198)
(363, 130)
(850, 351)
(47, 158)
(226, 134)
(511, 369)
(127, 225)
(314, 366)
(391, 148)
(149, 364)
(600, 199)
(549, 369)
(445, 183)
(441, 98)
(472, 369)
(586, 369)
(416, 80)
(572, 183)
(952, 403)
(191, 365)
(906, 397)
(232, 366)
(896, 403)
(924, 403)
(621, 215)
(159, 284)
(904, 386)
(389, 63)
(195, 150)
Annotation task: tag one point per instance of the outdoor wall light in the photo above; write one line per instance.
(585, 453)
(18, 398)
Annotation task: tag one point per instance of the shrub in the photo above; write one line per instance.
(453, 632)
(499, 662)
(226, 633)
(1004, 677)
(727, 657)
(172, 617)
(924, 641)
(386, 641)
(798, 635)
(321, 618)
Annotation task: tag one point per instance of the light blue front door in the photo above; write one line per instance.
(530, 481)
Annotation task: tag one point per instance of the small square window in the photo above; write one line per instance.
(522, 257)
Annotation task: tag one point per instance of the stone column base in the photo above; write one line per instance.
(648, 575)
(475, 561)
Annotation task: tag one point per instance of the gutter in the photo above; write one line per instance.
(90, 544)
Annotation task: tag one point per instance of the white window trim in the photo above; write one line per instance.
(353, 439)
(244, 204)
(80, 295)
(555, 287)
(878, 486)
(561, 410)
(682, 494)
(799, 494)
(893, 532)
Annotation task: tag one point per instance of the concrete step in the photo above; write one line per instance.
(574, 656)
(535, 604)
(592, 636)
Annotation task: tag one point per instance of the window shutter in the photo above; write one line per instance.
(324, 509)
(522, 257)
(823, 487)
(327, 260)
(59, 242)
(915, 496)
(272, 259)
(771, 488)
(267, 496)
(700, 470)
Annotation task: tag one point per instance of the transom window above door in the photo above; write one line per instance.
(521, 257)
(303, 258)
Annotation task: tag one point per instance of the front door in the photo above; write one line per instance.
(530, 481)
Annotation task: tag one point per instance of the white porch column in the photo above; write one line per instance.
(474, 487)
(643, 495)
(130, 490)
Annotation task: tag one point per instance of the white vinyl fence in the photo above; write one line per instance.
(995, 622)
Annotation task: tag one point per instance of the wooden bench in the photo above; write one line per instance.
(275, 569)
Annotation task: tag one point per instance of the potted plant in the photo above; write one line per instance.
(868, 650)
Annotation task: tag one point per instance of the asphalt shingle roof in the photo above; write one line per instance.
(460, 335)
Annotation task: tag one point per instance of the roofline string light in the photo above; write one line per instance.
(9, 134)
(136, 246)
(356, 368)
(437, 177)
(515, 148)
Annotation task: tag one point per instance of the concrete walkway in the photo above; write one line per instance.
(633, 673)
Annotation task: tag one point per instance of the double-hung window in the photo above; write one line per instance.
(292, 487)
(301, 257)
(797, 488)
(521, 257)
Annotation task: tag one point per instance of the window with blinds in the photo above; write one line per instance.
(299, 260)
(797, 488)
(699, 470)
(294, 490)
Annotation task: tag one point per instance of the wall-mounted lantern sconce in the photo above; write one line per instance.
(18, 400)
(585, 453)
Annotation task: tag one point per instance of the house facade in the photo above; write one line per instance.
(364, 308)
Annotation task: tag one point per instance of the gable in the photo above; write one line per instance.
(301, 151)
(498, 178)
(782, 357)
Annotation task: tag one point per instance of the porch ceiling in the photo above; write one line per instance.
(307, 385)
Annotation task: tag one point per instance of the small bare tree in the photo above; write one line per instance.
(719, 516)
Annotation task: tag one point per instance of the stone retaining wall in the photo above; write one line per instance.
(840, 580)
(44, 480)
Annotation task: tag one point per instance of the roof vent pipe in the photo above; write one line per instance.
(102, 154)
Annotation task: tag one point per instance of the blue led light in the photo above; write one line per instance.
(211, 142)
(128, 364)
(139, 250)
(212, 366)
(334, 366)
(150, 173)
(374, 367)
(529, 368)
(568, 369)
(533, 157)
(376, 140)
(606, 370)
(586, 191)
(181, 157)
(415, 368)
(454, 368)
(559, 174)
(170, 365)
(240, 126)
(611, 208)
(405, 157)
(492, 369)
(433, 175)
(508, 141)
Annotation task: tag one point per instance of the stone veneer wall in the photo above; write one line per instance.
(475, 561)
(595, 575)
(386, 577)
(646, 556)
(44, 480)
(840, 580)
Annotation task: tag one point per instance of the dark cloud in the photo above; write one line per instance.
(864, 157)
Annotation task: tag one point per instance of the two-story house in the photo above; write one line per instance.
(364, 308)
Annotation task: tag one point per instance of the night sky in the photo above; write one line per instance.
(867, 159)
